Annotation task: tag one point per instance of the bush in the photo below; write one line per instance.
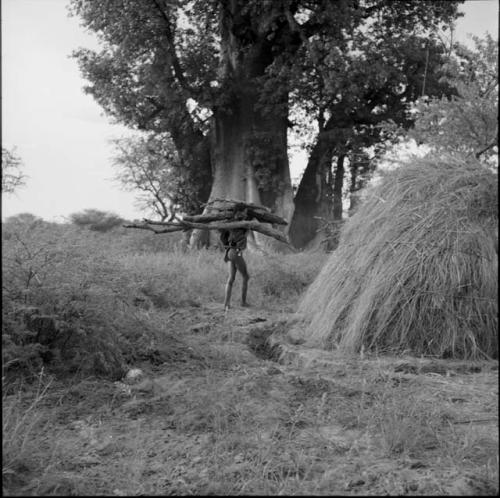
(65, 301)
(96, 220)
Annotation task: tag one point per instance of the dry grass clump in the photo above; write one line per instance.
(416, 268)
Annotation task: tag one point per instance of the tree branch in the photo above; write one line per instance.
(163, 212)
(149, 227)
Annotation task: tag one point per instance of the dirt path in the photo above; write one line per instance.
(223, 410)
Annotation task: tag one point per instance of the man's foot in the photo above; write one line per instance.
(245, 305)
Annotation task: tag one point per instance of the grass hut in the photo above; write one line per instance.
(416, 268)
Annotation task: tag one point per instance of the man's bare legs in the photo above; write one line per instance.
(229, 284)
(236, 263)
(242, 268)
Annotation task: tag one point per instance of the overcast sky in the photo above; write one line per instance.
(60, 133)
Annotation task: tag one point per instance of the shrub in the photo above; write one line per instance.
(96, 220)
(65, 301)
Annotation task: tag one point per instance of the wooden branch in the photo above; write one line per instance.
(237, 204)
(267, 217)
(183, 225)
(262, 213)
(222, 214)
(149, 227)
(206, 218)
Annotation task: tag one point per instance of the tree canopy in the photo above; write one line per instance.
(465, 123)
(222, 78)
(362, 85)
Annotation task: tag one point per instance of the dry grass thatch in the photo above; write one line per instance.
(416, 268)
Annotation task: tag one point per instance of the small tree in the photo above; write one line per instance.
(12, 176)
(150, 165)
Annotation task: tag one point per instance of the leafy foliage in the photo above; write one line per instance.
(227, 73)
(55, 308)
(465, 123)
(12, 175)
(352, 81)
(347, 86)
(137, 80)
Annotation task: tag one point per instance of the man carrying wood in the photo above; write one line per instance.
(233, 219)
(234, 242)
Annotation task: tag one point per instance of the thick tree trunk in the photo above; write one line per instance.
(361, 168)
(240, 173)
(249, 154)
(304, 226)
(321, 198)
(312, 199)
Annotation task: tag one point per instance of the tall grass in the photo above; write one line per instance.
(91, 286)
(178, 278)
(22, 422)
(416, 268)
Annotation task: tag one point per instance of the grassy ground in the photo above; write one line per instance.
(217, 419)
(218, 412)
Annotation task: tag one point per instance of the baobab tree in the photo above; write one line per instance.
(219, 76)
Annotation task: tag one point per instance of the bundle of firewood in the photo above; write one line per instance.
(222, 214)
